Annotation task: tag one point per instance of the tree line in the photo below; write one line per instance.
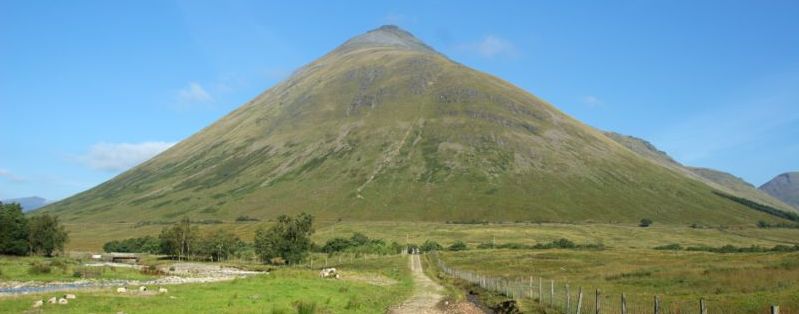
(34, 235)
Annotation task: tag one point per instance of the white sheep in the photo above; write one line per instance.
(38, 303)
(70, 296)
(162, 290)
(62, 301)
(52, 300)
(122, 289)
(142, 289)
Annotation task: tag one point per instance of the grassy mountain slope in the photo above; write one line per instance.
(722, 181)
(784, 187)
(385, 128)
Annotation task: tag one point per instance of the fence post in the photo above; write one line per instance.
(657, 305)
(775, 309)
(551, 293)
(623, 303)
(540, 291)
(580, 301)
(531, 287)
(702, 306)
(598, 301)
(568, 300)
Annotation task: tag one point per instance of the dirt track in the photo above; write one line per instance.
(426, 293)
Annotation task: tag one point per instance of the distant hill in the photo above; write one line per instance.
(784, 187)
(722, 181)
(28, 203)
(386, 128)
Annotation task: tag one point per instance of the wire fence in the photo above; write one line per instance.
(563, 298)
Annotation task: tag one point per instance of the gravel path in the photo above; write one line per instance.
(426, 292)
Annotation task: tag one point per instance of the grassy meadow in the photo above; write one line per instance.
(730, 283)
(367, 286)
(17, 268)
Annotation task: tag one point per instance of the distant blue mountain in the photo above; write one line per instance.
(28, 203)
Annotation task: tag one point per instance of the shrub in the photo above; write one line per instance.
(669, 247)
(646, 222)
(304, 307)
(458, 246)
(429, 246)
(246, 219)
(38, 268)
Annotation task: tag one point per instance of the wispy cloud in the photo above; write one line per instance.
(121, 156)
(192, 96)
(727, 127)
(490, 47)
(11, 176)
(592, 101)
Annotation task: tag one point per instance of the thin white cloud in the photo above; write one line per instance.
(192, 96)
(490, 47)
(121, 156)
(11, 176)
(713, 131)
(592, 101)
(194, 93)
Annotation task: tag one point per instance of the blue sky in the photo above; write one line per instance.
(89, 89)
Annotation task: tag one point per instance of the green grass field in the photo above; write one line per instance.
(13, 268)
(731, 283)
(367, 286)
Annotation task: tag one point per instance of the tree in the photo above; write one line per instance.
(46, 235)
(646, 222)
(179, 239)
(13, 230)
(289, 238)
(219, 245)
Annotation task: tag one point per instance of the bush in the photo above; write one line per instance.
(669, 247)
(246, 219)
(304, 307)
(646, 222)
(458, 246)
(38, 268)
(429, 246)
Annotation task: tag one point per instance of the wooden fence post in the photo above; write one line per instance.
(568, 300)
(531, 287)
(623, 303)
(580, 301)
(657, 305)
(598, 301)
(775, 309)
(540, 291)
(702, 306)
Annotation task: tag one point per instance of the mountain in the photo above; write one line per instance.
(386, 128)
(719, 180)
(784, 187)
(28, 203)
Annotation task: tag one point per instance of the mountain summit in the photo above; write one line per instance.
(385, 128)
(784, 187)
(386, 36)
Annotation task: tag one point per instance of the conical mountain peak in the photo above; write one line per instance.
(386, 36)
